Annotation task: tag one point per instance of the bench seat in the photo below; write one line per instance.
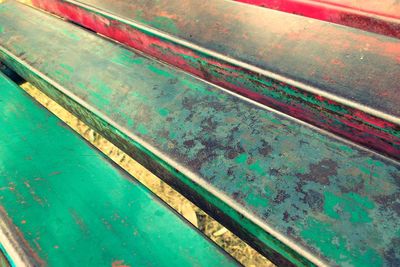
(296, 193)
(325, 74)
(63, 203)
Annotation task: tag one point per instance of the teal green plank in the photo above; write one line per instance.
(71, 206)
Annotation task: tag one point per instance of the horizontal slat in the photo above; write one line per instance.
(381, 17)
(340, 79)
(64, 204)
(278, 183)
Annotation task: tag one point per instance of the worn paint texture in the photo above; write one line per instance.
(287, 188)
(67, 205)
(381, 17)
(321, 73)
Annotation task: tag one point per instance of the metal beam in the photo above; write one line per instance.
(340, 79)
(382, 17)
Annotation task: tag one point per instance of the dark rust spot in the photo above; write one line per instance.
(320, 172)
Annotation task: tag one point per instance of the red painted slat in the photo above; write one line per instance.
(381, 17)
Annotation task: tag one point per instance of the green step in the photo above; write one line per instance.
(63, 203)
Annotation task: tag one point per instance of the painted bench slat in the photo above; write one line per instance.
(341, 79)
(382, 17)
(63, 203)
(293, 192)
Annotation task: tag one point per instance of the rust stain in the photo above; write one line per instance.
(119, 263)
(79, 221)
(16, 232)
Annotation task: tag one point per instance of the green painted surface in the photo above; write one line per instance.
(74, 207)
(254, 37)
(337, 201)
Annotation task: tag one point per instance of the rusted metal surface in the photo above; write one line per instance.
(381, 17)
(340, 79)
(62, 203)
(295, 193)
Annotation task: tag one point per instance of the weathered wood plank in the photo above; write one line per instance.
(381, 17)
(340, 79)
(62, 203)
(280, 184)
